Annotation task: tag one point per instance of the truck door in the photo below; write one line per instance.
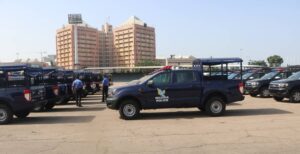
(157, 94)
(186, 88)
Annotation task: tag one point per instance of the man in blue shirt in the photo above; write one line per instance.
(105, 85)
(77, 87)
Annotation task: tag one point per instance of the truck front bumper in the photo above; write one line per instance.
(279, 92)
(252, 90)
(111, 102)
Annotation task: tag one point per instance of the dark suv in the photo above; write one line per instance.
(169, 88)
(20, 91)
(287, 88)
(261, 86)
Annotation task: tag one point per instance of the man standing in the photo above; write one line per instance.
(105, 85)
(77, 87)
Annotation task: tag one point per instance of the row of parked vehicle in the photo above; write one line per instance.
(25, 88)
(278, 83)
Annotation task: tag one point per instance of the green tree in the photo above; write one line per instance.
(275, 60)
(149, 63)
(257, 62)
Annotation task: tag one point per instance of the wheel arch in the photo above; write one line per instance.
(294, 89)
(6, 103)
(214, 94)
(128, 97)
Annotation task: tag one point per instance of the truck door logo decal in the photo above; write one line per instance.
(162, 97)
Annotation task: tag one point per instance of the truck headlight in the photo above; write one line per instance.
(283, 85)
(254, 84)
(112, 92)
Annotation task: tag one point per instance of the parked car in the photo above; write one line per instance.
(169, 88)
(20, 91)
(286, 88)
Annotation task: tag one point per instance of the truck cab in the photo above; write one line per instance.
(20, 91)
(179, 88)
(286, 88)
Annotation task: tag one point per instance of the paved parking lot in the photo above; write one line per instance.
(254, 126)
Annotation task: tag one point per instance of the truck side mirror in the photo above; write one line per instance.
(150, 83)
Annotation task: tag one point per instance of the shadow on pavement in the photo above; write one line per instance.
(77, 109)
(53, 120)
(198, 114)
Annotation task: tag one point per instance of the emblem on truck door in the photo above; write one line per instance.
(162, 97)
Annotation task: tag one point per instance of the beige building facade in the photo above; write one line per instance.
(87, 46)
(81, 46)
(134, 42)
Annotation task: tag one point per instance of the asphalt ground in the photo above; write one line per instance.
(255, 125)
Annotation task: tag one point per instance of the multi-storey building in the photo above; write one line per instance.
(134, 42)
(79, 46)
(81, 39)
(106, 46)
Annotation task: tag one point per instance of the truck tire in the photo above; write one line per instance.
(278, 99)
(295, 96)
(215, 106)
(22, 114)
(253, 95)
(49, 106)
(6, 114)
(264, 92)
(129, 110)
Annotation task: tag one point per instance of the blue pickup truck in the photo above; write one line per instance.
(180, 88)
(20, 91)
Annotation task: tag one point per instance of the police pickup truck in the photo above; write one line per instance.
(20, 91)
(287, 88)
(169, 88)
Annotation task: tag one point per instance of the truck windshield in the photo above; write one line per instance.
(233, 76)
(269, 75)
(141, 80)
(295, 76)
(247, 75)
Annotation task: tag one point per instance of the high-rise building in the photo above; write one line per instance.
(80, 46)
(134, 43)
(86, 42)
(106, 46)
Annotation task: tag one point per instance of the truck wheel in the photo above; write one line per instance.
(253, 95)
(6, 114)
(129, 110)
(49, 106)
(215, 106)
(264, 92)
(40, 108)
(295, 96)
(278, 99)
(22, 114)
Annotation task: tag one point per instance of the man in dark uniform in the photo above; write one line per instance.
(105, 85)
(77, 87)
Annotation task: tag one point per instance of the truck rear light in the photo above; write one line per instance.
(27, 94)
(241, 87)
(55, 90)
